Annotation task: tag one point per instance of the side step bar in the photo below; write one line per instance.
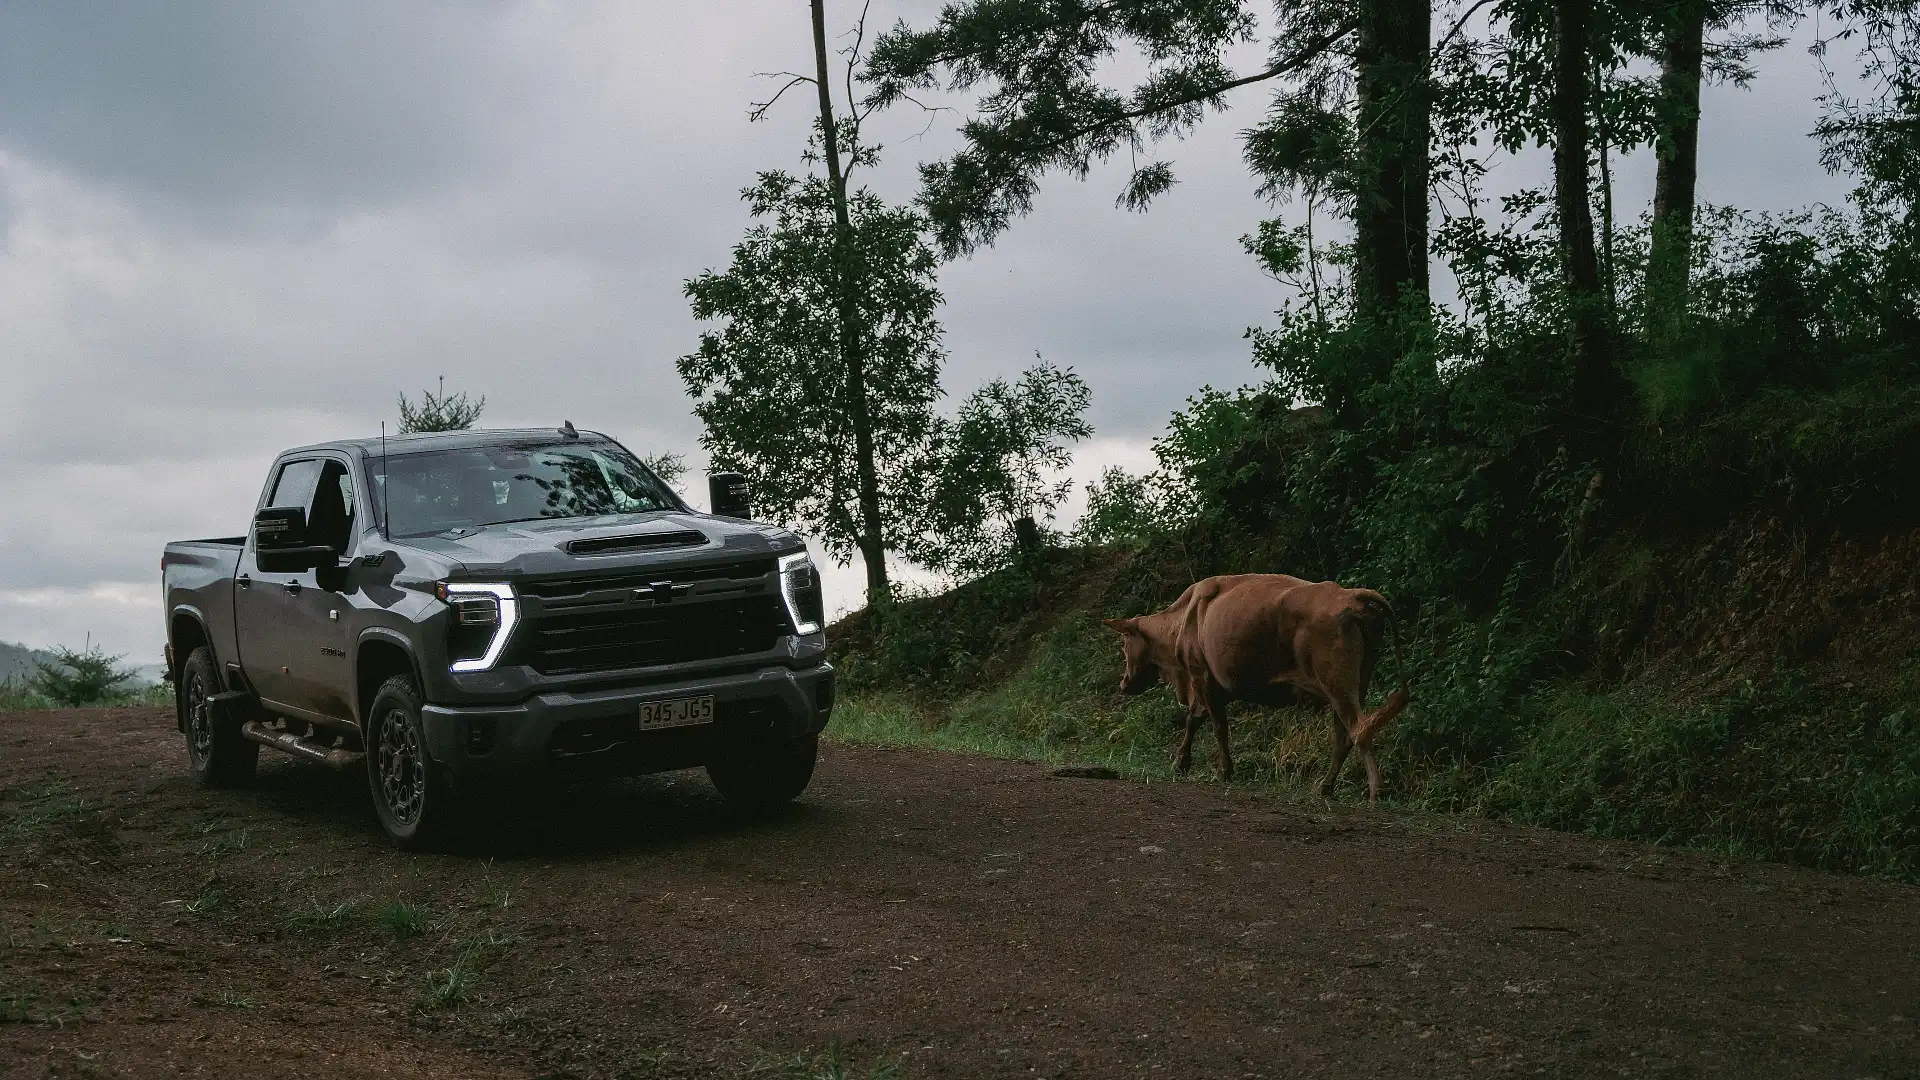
(332, 758)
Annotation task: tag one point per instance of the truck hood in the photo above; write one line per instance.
(540, 547)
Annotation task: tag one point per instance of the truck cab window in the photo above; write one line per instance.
(296, 484)
(330, 517)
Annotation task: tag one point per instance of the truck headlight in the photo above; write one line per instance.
(800, 587)
(482, 613)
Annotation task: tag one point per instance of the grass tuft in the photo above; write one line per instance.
(317, 917)
(452, 985)
(401, 920)
(43, 806)
(831, 1064)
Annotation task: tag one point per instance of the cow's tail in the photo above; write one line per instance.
(1371, 723)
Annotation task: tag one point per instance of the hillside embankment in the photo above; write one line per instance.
(1749, 689)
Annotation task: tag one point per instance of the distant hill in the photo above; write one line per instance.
(16, 661)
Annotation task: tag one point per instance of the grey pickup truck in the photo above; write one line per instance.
(456, 610)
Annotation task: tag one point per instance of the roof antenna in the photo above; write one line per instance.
(566, 429)
(385, 530)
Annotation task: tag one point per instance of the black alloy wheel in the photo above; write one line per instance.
(216, 751)
(411, 792)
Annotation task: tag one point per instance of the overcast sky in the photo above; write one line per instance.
(228, 228)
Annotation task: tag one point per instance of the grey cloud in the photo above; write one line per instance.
(238, 107)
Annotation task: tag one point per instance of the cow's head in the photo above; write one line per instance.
(1141, 674)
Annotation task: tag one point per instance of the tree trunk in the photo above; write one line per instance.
(1395, 123)
(1677, 148)
(873, 548)
(1595, 381)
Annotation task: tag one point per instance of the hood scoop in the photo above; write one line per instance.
(653, 541)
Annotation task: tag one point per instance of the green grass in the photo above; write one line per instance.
(36, 808)
(449, 986)
(453, 985)
(400, 920)
(16, 696)
(830, 1064)
(16, 1006)
(319, 917)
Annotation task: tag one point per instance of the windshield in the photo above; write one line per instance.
(459, 490)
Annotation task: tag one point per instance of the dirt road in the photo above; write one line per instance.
(949, 916)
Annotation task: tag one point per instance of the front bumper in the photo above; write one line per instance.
(598, 730)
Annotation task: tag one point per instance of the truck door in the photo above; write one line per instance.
(263, 604)
(318, 612)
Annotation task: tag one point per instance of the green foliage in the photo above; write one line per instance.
(996, 464)
(439, 411)
(1044, 106)
(769, 383)
(78, 679)
(17, 694)
(1122, 509)
(1777, 766)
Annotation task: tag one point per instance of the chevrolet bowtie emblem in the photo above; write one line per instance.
(660, 592)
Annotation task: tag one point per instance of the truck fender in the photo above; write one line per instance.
(177, 656)
(364, 685)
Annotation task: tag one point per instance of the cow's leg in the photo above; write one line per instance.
(1183, 753)
(1341, 743)
(1373, 772)
(1217, 709)
(1346, 713)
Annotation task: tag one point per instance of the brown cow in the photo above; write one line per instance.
(1262, 638)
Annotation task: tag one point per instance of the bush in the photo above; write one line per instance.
(80, 679)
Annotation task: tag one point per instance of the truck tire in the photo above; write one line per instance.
(216, 751)
(411, 792)
(764, 773)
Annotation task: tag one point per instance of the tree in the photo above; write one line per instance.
(1876, 136)
(1393, 113)
(439, 412)
(1684, 68)
(1350, 121)
(771, 385)
(78, 679)
(997, 469)
(1570, 95)
(1351, 116)
(668, 467)
(840, 150)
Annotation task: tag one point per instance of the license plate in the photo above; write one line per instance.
(676, 712)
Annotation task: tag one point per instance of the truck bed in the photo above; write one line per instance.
(198, 578)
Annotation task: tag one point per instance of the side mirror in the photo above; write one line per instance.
(282, 544)
(727, 495)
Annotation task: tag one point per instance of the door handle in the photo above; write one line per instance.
(244, 581)
(293, 587)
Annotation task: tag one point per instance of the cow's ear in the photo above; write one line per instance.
(1124, 626)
